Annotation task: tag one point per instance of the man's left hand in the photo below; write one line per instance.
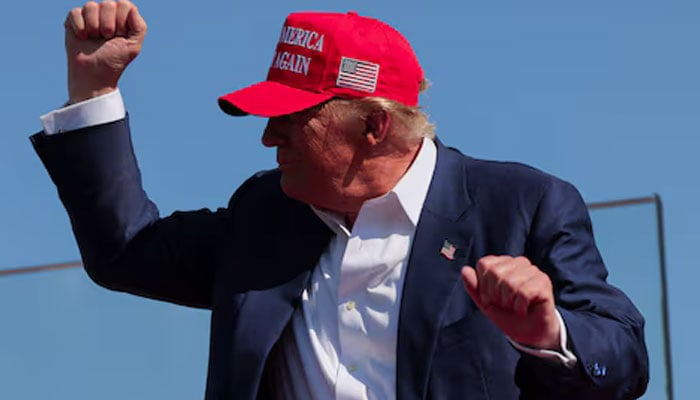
(517, 297)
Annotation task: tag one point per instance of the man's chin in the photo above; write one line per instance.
(291, 189)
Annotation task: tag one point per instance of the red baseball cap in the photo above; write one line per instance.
(320, 56)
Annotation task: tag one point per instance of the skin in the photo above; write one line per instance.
(335, 158)
(330, 157)
(101, 40)
(516, 296)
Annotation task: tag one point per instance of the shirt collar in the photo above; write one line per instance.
(410, 191)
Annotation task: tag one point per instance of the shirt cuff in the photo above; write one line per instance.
(96, 111)
(565, 356)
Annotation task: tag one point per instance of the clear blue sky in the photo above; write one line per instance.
(604, 94)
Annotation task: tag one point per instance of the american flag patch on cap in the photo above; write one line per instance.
(358, 75)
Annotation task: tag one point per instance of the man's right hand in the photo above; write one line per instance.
(101, 40)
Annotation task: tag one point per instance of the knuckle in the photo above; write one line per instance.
(486, 262)
(535, 288)
(540, 276)
(108, 5)
(527, 293)
(527, 296)
(501, 272)
(522, 260)
(123, 6)
(546, 284)
(127, 5)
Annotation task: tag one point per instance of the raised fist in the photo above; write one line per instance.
(101, 40)
(517, 297)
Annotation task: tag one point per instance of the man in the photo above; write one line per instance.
(373, 262)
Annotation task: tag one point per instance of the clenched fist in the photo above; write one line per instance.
(101, 40)
(517, 297)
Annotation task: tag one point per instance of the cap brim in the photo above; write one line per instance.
(269, 99)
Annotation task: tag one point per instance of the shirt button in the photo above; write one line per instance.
(352, 368)
(350, 305)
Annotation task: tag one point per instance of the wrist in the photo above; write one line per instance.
(550, 339)
(551, 342)
(77, 95)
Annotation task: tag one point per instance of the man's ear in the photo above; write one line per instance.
(377, 126)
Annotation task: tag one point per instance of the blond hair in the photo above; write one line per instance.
(411, 123)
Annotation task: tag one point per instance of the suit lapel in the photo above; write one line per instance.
(430, 280)
(265, 312)
(431, 276)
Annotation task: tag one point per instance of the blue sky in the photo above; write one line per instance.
(603, 94)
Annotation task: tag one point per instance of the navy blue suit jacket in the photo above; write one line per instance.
(249, 262)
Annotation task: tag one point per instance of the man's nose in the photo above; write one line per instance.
(273, 134)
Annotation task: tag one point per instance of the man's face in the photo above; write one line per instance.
(317, 153)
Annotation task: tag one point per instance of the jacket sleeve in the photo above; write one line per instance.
(605, 330)
(124, 244)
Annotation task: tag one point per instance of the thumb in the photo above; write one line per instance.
(471, 283)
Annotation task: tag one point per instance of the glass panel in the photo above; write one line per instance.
(63, 337)
(627, 237)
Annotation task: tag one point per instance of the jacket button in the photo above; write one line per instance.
(598, 370)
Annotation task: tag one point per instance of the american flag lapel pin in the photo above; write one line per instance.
(448, 250)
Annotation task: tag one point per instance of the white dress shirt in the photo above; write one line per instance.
(96, 111)
(342, 341)
(344, 335)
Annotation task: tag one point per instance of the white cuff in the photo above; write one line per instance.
(96, 111)
(566, 357)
